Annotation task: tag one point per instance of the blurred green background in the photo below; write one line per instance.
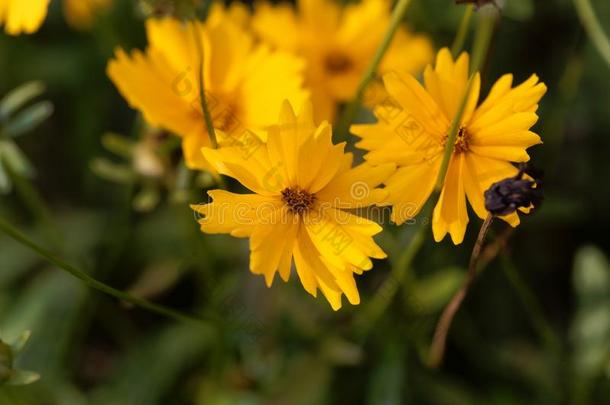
(535, 327)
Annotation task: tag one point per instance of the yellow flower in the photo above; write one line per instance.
(245, 83)
(338, 44)
(80, 14)
(22, 16)
(302, 186)
(413, 127)
(26, 16)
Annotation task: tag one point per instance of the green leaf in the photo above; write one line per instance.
(28, 119)
(387, 381)
(22, 377)
(520, 10)
(19, 97)
(108, 170)
(118, 144)
(590, 329)
(159, 360)
(6, 362)
(431, 293)
(15, 159)
(147, 199)
(20, 342)
(5, 181)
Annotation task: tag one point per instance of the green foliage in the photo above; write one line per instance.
(76, 174)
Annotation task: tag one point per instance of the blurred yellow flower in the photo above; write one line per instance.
(245, 83)
(338, 44)
(22, 16)
(81, 14)
(413, 127)
(26, 16)
(302, 186)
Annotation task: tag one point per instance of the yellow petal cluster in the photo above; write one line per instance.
(22, 16)
(245, 82)
(338, 44)
(26, 16)
(412, 130)
(300, 211)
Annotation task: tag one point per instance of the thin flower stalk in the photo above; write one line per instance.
(350, 109)
(91, 282)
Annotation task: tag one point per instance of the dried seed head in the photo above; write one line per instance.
(506, 196)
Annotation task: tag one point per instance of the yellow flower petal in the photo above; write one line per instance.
(22, 16)
(145, 80)
(447, 82)
(236, 214)
(450, 214)
(357, 187)
(409, 188)
(271, 242)
(417, 104)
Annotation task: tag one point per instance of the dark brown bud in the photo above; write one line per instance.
(506, 196)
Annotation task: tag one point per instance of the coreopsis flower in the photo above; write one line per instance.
(413, 127)
(338, 44)
(302, 186)
(245, 83)
(26, 16)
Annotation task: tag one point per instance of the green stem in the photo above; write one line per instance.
(593, 27)
(534, 310)
(487, 20)
(202, 98)
(386, 292)
(98, 285)
(352, 107)
(450, 142)
(488, 16)
(437, 348)
(37, 207)
(460, 37)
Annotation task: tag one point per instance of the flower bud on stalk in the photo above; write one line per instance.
(506, 196)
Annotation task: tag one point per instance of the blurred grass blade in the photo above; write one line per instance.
(594, 29)
(20, 342)
(15, 159)
(387, 382)
(590, 330)
(28, 119)
(521, 10)
(108, 170)
(22, 377)
(19, 97)
(147, 199)
(5, 181)
(118, 144)
(431, 293)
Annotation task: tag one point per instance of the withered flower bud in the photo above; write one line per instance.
(506, 196)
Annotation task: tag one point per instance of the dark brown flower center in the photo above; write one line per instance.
(297, 200)
(337, 63)
(461, 141)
